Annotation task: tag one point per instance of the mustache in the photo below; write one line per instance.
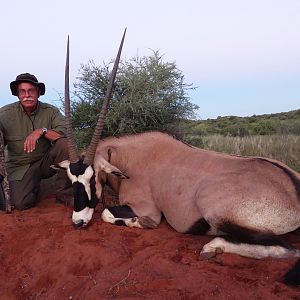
(27, 99)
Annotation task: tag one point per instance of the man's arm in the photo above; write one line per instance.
(56, 131)
(52, 135)
(31, 140)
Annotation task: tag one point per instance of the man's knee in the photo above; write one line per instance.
(60, 149)
(61, 144)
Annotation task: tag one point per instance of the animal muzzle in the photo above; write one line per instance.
(79, 224)
(82, 218)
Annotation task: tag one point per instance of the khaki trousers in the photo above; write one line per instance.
(24, 193)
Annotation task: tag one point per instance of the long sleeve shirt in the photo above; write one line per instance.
(16, 125)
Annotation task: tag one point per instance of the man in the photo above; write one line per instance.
(34, 133)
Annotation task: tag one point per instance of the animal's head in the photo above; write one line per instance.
(80, 170)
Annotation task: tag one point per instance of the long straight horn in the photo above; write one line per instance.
(100, 124)
(73, 156)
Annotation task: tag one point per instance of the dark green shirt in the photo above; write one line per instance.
(16, 125)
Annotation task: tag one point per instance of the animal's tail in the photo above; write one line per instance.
(292, 277)
(237, 234)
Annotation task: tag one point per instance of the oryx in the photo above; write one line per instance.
(249, 201)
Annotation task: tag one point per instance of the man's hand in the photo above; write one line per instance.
(31, 140)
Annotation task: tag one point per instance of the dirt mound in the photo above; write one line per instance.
(43, 257)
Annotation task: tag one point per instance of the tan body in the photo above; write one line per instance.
(201, 192)
(186, 184)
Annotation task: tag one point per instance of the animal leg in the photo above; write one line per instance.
(147, 222)
(124, 216)
(219, 245)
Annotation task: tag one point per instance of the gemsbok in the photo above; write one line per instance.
(249, 201)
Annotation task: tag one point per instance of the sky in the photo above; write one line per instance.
(242, 55)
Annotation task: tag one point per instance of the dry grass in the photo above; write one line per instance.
(285, 148)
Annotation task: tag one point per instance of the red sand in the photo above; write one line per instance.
(43, 257)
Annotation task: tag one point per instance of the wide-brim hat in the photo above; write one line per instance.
(26, 77)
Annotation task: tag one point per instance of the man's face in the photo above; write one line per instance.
(28, 94)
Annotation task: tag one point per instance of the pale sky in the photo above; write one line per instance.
(244, 55)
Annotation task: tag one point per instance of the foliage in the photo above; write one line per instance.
(281, 123)
(275, 136)
(149, 94)
(282, 147)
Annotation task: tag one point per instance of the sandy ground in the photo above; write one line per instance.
(43, 257)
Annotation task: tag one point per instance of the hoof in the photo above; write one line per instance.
(219, 250)
(147, 222)
(207, 255)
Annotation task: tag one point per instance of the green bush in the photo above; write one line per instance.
(149, 94)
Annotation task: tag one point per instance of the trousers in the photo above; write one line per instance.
(24, 193)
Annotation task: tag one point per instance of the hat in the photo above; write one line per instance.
(26, 77)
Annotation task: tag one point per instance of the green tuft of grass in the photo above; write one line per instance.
(285, 148)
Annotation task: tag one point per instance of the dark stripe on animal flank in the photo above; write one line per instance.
(292, 277)
(122, 211)
(293, 178)
(237, 234)
(200, 227)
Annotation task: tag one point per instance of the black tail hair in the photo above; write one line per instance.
(238, 234)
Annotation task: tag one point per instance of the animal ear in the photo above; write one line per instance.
(61, 165)
(118, 173)
(103, 165)
(110, 169)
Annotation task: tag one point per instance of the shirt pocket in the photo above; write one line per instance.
(15, 144)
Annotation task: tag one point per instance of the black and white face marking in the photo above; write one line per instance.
(87, 186)
(85, 200)
(81, 173)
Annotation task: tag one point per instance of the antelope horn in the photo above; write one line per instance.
(100, 123)
(73, 156)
